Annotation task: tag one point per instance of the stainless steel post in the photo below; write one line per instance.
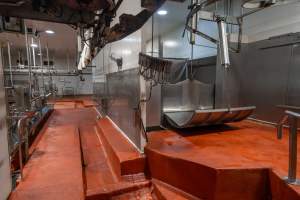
(28, 62)
(193, 25)
(42, 66)
(293, 121)
(20, 147)
(35, 87)
(225, 61)
(10, 65)
(224, 50)
(33, 52)
(293, 143)
(49, 70)
(68, 61)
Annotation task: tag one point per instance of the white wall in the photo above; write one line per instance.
(127, 48)
(170, 29)
(272, 22)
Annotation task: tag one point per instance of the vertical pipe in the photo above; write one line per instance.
(68, 61)
(20, 147)
(28, 62)
(224, 50)
(33, 53)
(19, 57)
(10, 65)
(152, 36)
(292, 150)
(225, 61)
(33, 62)
(194, 23)
(49, 70)
(42, 66)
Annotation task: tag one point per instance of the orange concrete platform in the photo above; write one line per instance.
(112, 166)
(125, 157)
(239, 161)
(54, 170)
(76, 156)
(69, 160)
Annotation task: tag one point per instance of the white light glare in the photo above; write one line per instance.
(162, 12)
(127, 52)
(170, 43)
(33, 45)
(49, 32)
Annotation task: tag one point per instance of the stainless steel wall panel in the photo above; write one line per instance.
(188, 95)
(154, 107)
(262, 75)
(120, 99)
(5, 176)
(265, 77)
(293, 90)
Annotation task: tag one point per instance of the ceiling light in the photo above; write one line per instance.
(131, 39)
(49, 32)
(254, 4)
(162, 12)
(33, 45)
(170, 43)
(127, 52)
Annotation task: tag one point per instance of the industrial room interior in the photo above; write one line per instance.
(149, 99)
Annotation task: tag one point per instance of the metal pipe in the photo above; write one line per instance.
(280, 126)
(293, 121)
(28, 61)
(193, 25)
(68, 61)
(33, 52)
(34, 63)
(42, 65)
(293, 143)
(49, 69)
(10, 65)
(20, 130)
(20, 149)
(223, 44)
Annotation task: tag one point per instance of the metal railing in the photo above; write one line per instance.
(292, 119)
(22, 131)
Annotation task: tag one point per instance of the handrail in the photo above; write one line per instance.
(20, 130)
(292, 118)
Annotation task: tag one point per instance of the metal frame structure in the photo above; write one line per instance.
(292, 118)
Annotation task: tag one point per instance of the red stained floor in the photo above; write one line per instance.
(54, 170)
(240, 161)
(78, 157)
(69, 159)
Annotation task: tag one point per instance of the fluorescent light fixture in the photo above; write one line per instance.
(255, 4)
(49, 31)
(162, 12)
(126, 52)
(131, 39)
(170, 43)
(33, 45)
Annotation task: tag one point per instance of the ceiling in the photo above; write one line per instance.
(63, 40)
(176, 17)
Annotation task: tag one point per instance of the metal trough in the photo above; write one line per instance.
(180, 118)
